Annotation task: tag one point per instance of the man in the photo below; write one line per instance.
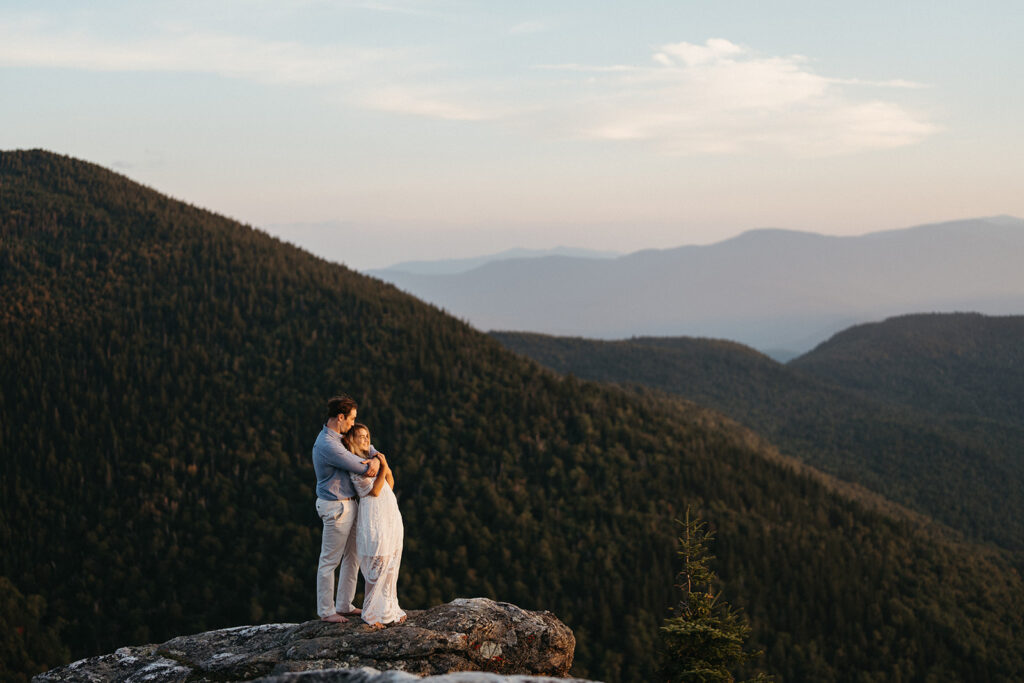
(337, 504)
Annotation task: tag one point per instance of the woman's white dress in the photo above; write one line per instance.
(379, 534)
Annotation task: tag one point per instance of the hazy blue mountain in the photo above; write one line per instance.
(461, 265)
(771, 289)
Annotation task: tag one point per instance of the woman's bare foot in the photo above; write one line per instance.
(402, 620)
(375, 627)
(354, 613)
(334, 619)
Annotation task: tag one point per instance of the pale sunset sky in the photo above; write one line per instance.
(375, 132)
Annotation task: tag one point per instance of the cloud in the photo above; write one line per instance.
(421, 100)
(528, 27)
(715, 49)
(396, 80)
(414, 8)
(723, 98)
(718, 97)
(31, 44)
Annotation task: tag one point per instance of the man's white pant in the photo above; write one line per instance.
(337, 547)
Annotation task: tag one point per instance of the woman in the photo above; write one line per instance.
(379, 533)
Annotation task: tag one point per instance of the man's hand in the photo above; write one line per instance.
(374, 466)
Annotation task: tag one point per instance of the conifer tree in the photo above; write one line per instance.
(704, 642)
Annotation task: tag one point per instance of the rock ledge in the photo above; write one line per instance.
(477, 635)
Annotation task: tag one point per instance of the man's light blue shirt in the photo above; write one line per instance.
(332, 462)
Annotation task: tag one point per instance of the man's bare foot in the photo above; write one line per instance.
(354, 613)
(334, 619)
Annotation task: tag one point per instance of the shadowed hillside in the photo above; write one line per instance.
(161, 379)
(950, 365)
(951, 469)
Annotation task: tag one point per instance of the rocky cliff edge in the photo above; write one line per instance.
(497, 641)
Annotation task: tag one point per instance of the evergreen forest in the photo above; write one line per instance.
(922, 409)
(163, 373)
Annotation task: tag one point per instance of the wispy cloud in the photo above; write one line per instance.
(714, 50)
(528, 27)
(410, 7)
(425, 100)
(712, 98)
(397, 80)
(723, 98)
(586, 68)
(28, 43)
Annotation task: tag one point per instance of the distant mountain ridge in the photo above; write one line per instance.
(461, 265)
(770, 289)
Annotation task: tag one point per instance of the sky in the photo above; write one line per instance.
(376, 132)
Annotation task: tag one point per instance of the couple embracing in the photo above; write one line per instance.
(362, 525)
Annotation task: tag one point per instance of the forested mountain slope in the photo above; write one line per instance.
(162, 373)
(966, 472)
(949, 364)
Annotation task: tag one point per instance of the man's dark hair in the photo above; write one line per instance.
(340, 405)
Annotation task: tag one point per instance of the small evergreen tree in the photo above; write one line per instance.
(705, 640)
